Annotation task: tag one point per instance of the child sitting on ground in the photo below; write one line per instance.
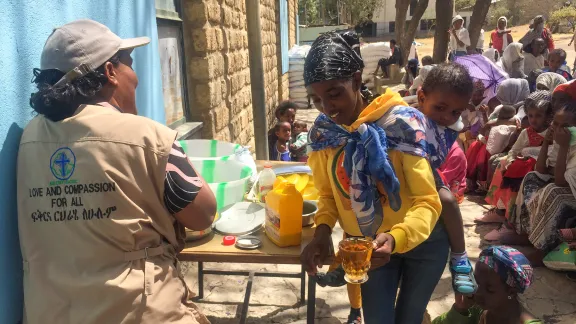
(474, 117)
(280, 151)
(502, 274)
(520, 160)
(557, 63)
(299, 143)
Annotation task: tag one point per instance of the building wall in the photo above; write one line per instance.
(26, 25)
(386, 13)
(216, 50)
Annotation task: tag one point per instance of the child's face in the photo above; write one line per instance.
(492, 294)
(442, 107)
(493, 103)
(554, 62)
(284, 132)
(299, 128)
(288, 116)
(537, 118)
(563, 118)
(477, 97)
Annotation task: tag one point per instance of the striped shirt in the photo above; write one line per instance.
(182, 183)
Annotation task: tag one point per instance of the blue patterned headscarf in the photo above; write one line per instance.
(510, 264)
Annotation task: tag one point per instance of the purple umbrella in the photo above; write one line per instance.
(481, 68)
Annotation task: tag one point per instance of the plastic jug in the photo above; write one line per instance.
(266, 182)
(284, 216)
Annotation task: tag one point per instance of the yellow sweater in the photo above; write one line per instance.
(413, 222)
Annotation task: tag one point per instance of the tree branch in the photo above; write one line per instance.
(477, 20)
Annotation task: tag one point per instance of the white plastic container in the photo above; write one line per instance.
(209, 149)
(227, 178)
(266, 182)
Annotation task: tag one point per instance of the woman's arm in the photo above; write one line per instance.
(426, 207)
(560, 167)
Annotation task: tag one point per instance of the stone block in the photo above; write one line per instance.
(223, 135)
(214, 14)
(195, 13)
(208, 95)
(206, 67)
(221, 117)
(203, 39)
(228, 16)
(238, 123)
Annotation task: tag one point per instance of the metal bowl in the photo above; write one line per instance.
(308, 212)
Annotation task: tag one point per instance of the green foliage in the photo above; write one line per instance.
(361, 10)
(496, 12)
(561, 16)
(462, 4)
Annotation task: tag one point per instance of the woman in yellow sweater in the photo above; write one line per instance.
(372, 192)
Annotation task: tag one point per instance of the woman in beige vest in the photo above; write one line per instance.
(103, 194)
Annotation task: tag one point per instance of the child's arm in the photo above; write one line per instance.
(301, 140)
(543, 155)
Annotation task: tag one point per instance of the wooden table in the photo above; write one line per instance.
(211, 249)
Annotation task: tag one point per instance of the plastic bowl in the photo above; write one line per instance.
(209, 149)
(226, 178)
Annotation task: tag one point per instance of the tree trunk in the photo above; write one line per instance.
(406, 42)
(401, 10)
(477, 20)
(444, 10)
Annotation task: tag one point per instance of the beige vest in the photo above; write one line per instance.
(98, 245)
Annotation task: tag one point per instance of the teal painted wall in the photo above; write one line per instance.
(25, 26)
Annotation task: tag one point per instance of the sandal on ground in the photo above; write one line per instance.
(490, 216)
(463, 280)
(355, 317)
(334, 278)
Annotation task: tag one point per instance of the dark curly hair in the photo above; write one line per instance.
(58, 103)
(449, 76)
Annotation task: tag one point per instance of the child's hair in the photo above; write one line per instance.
(283, 107)
(560, 52)
(449, 76)
(427, 60)
(279, 125)
(506, 112)
(393, 41)
(543, 106)
(300, 123)
(569, 107)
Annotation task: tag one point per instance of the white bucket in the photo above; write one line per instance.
(227, 179)
(209, 149)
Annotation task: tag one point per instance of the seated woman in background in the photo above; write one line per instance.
(475, 116)
(410, 75)
(511, 92)
(520, 160)
(491, 141)
(512, 61)
(502, 274)
(532, 77)
(546, 198)
(548, 81)
(534, 56)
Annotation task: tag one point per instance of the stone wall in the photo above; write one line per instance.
(217, 65)
(218, 76)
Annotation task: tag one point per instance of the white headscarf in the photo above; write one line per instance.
(511, 54)
(492, 54)
(550, 80)
(456, 18)
(511, 92)
(503, 32)
(425, 70)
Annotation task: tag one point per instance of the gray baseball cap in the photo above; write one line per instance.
(81, 46)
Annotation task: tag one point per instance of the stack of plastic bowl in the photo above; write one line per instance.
(217, 163)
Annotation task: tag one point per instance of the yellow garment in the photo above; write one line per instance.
(413, 222)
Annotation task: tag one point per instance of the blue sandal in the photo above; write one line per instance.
(463, 280)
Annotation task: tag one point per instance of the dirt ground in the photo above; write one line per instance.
(275, 300)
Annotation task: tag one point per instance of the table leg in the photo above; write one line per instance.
(200, 280)
(311, 303)
(303, 287)
(244, 313)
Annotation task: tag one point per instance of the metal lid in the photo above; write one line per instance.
(248, 242)
(241, 218)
